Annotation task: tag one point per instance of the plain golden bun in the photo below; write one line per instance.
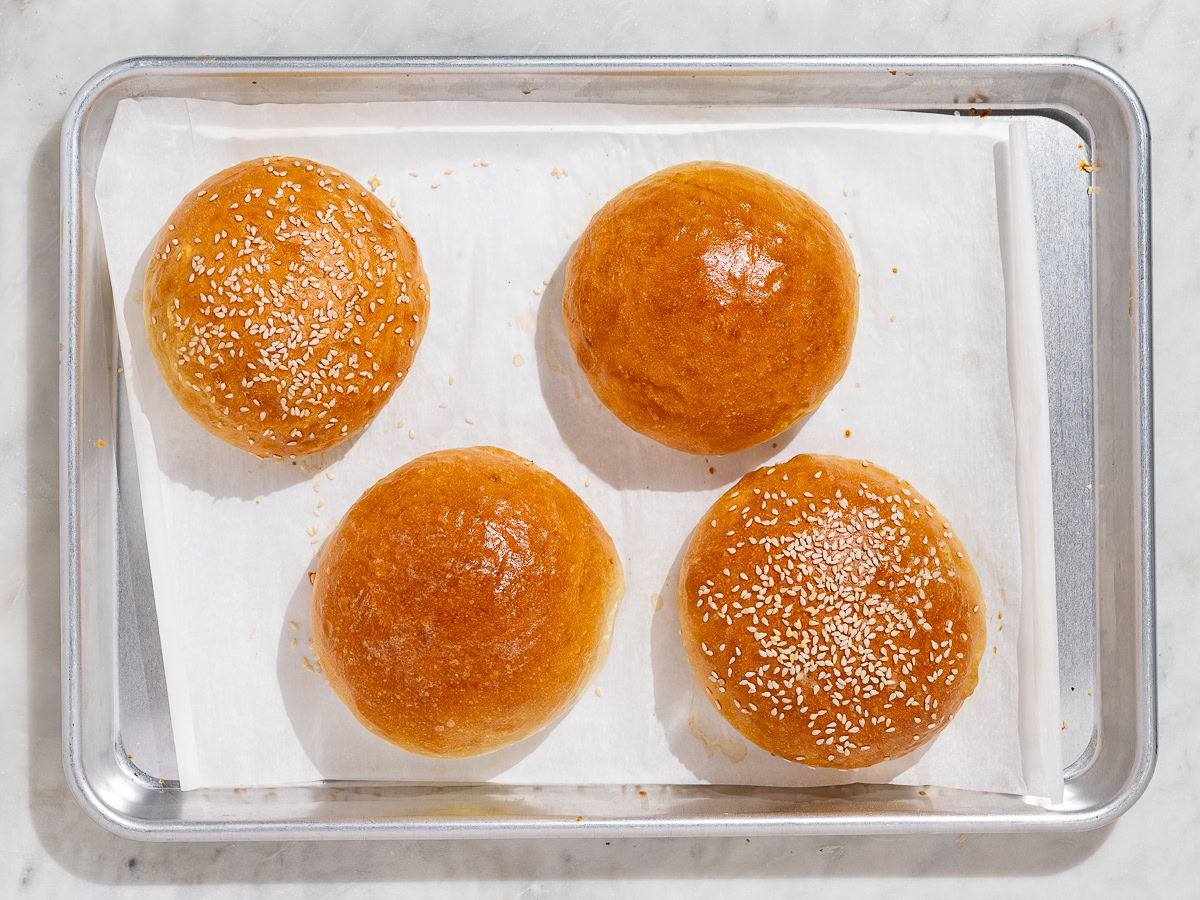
(464, 602)
(284, 304)
(830, 613)
(711, 306)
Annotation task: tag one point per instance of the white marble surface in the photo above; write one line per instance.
(49, 848)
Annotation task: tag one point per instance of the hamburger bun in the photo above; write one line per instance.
(711, 306)
(283, 304)
(830, 613)
(465, 602)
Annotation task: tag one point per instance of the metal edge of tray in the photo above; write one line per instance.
(1112, 89)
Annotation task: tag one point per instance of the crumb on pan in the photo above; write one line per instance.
(518, 360)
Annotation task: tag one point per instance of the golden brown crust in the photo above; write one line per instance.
(830, 613)
(284, 304)
(464, 602)
(711, 306)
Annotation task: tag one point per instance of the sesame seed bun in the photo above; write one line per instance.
(711, 306)
(465, 602)
(284, 304)
(830, 613)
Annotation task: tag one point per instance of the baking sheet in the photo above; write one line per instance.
(927, 395)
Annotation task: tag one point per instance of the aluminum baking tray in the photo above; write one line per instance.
(1094, 259)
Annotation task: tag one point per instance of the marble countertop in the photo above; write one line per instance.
(51, 849)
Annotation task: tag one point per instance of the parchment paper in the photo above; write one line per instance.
(495, 195)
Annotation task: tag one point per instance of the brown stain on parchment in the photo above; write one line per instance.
(721, 737)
